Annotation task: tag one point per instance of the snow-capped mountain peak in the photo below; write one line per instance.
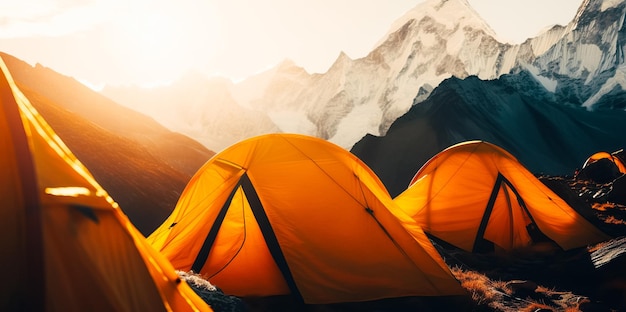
(447, 12)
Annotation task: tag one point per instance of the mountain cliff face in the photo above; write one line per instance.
(141, 164)
(587, 60)
(514, 112)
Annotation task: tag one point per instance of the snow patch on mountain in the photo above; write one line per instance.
(544, 41)
(362, 119)
(548, 83)
(607, 4)
(618, 80)
(292, 121)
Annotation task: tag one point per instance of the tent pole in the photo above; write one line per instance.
(270, 237)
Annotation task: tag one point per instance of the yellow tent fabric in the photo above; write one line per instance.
(600, 155)
(66, 246)
(290, 214)
(475, 192)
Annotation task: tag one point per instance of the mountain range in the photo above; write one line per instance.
(438, 39)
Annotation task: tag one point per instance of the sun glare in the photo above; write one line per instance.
(71, 191)
(163, 42)
(153, 37)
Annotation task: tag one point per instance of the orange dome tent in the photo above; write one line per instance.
(286, 214)
(478, 197)
(66, 246)
(605, 155)
(602, 167)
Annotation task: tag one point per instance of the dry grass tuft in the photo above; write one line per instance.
(196, 280)
(613, 220)
(483, 290)
(533, 307)
(496, 295)
(601, 206)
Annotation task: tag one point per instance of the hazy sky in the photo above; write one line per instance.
(155, 41)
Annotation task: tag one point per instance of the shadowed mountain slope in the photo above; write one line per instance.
(142, 165)
(513, 112)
